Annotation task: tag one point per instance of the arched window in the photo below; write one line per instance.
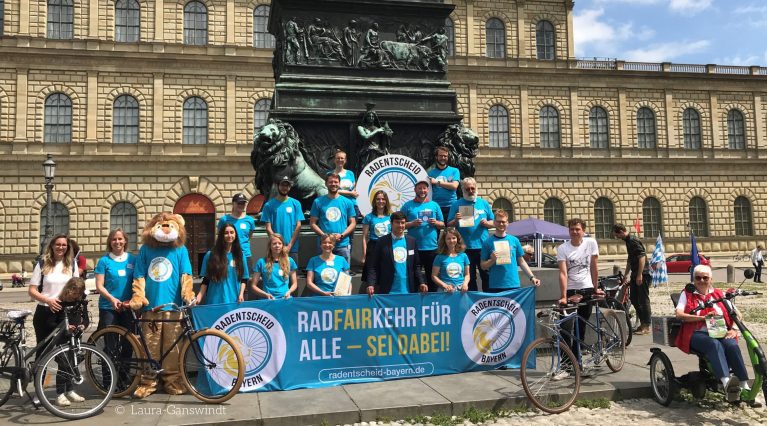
(743, 221)
(59, 219)
(195, 23)
(58, 119)
(61, 22)
(604, 217)
(125, 120)
(261, 113)
(645, 128)
(123, 215)
(544, 40)
(554, 211)
(2, 16)
(549, 127)
(496, 38)
(261, 37)
(499, 127)
(699, 217)
(505, 205)
(127, 20)
(736, 130)
(691, 124)
(195, 121)
(450, 33)
(599, 136)
(652, 217)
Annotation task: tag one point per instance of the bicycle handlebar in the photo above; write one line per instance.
(727, 296)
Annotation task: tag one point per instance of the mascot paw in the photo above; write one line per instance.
(137, 303)
(144, 391)
(175, 389)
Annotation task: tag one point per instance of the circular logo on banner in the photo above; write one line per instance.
(261, 341)
(394, 174)
(493, 330)
(160, 269)
(333, 214)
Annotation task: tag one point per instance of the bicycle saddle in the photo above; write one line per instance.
(575, 298)
(18, 315)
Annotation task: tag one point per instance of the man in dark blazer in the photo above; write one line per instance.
(383, 271)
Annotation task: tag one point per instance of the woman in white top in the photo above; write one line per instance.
(48, 278)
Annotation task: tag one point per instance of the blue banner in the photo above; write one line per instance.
(315, 342)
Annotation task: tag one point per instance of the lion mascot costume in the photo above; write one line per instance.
(163, 274)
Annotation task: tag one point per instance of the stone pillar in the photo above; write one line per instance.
(521, 30)
(23, 18)
(91, 113)
(760, 142)
(20, 135)
(473, 107)
(570, 37)
(231, 110)
(715, 133)
(159, 16)
(672, 142)
(230, 21)
(623, 141)
(471, 47)
(158, 103)
(525, 117)
(93, 19)
(575, 128)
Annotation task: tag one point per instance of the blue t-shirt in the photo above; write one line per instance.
(162, 267)
(442, 196)
(377, 226)
(278, 283)
(503, 276)
(244, 226)
(333, 215)
(426, 234)
(326, 273)
(348, 182)
(228, 290)
(118, 278)
(399, 285)
(283, 215)
(473, 236)
(452, 269)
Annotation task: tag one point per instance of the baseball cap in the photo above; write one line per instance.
(285, 179)
(239, 198)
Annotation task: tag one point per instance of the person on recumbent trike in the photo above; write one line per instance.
(703, 331)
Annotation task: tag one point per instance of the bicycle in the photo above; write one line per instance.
(55, 366)
(211, 362)
(665, 385)
(744, 257)
(551, 373)
(618, 298)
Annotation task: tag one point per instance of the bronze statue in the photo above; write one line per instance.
(376, 138)
(293, 37)
(463, 145)
(351, 42)
(278, 151)
(438, 47)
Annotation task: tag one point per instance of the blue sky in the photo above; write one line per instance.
(725, 32)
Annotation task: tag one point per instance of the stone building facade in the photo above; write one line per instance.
(667, 144)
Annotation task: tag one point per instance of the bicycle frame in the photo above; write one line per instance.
(596, 348)
(755, 354)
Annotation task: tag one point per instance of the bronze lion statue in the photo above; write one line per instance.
(278, 151)
(463, 144)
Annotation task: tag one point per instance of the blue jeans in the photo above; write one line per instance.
(723, 354)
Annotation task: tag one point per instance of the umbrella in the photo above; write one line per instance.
(539, 231)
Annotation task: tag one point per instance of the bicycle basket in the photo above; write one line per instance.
(610, 284)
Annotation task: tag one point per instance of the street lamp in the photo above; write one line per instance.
(49, 169)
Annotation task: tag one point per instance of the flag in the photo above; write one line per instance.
(637, 226)
(694, 258)
(658, 264)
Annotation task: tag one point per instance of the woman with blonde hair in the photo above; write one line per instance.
(451, 265)
(277, 269)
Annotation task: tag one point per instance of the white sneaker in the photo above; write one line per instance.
(62, 401)
(563, 374)
(72, 396)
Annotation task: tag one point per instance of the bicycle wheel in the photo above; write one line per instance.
(614, 304)
(124, 350)
(212, 366)
(662, 380)
(70, 372)
(553, 381)
(613, 342)
(9, 362)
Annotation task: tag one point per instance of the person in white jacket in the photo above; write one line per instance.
(758, 260)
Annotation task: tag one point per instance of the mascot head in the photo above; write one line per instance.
(164, 229)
